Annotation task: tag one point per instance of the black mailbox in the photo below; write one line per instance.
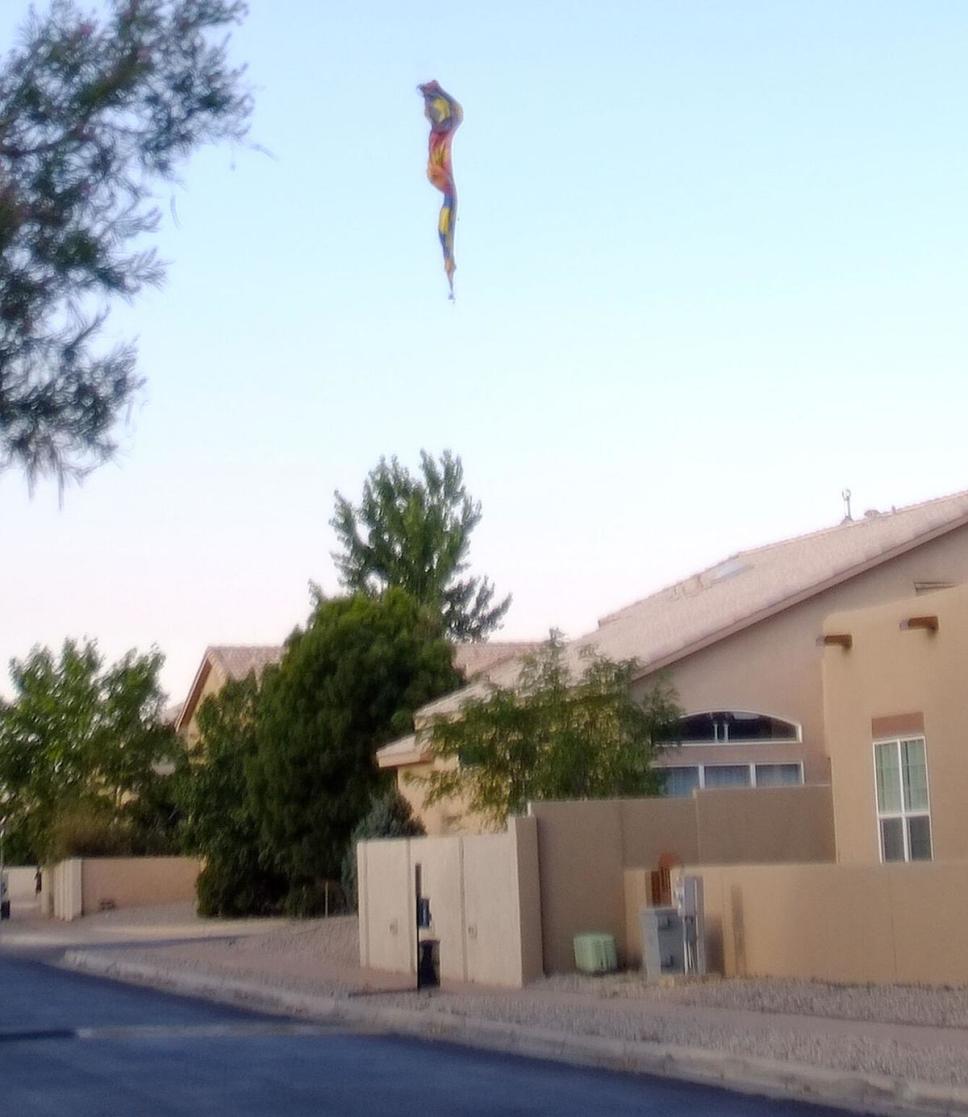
(423, 912)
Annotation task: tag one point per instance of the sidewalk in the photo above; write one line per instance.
(889, 1051)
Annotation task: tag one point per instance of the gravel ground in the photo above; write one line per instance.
(310, 955)
(889, 1004)
(322, 956)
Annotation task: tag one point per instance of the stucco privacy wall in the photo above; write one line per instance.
(80, 886)
(484, 899)
(21, 883)
(900, 923)
(585, 848)
(133, 882)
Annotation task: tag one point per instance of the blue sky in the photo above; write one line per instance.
(711, 269)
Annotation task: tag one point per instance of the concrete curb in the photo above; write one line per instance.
(853, 1091)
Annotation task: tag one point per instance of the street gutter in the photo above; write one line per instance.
(852, 1091)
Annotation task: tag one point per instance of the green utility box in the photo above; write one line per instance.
(595, 953)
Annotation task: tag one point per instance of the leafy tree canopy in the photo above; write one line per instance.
(414, 532)
(82, 738)
(347, 684)
(552, 736)
(219, 823)
(92, 116)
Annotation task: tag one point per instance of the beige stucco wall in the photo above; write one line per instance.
(450, 816)
(580, 851)
(859, 923)
(585, 848)
(769, 824)
(21, 884)
(775, 667)
(484, 899)
(132, 882)
(888, 673)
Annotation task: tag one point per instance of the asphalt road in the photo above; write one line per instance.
(78, 1046)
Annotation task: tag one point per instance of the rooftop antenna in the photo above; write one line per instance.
(845, 496)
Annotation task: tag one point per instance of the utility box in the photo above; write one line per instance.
(663, 946)
(688, 898)
(595, 953)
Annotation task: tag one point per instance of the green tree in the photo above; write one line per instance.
(347, 684)
(81, 738)
(555, 735)
(93, 115)
(389, 816)
(414, 532)
(219, 823)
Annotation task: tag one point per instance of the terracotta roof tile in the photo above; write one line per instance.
(238, 661)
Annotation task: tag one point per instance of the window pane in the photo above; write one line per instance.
(915, 776)
(888, 778)
(698, 729)
(776, 775)
(919, 838)
(681, 782)
(727, 775)
(730, 725)
(758, 727)
(892, 839)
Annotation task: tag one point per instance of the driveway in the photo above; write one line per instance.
(71, 1044)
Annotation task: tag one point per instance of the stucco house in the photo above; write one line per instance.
(739, 641)
(819, 791)
(224, 662)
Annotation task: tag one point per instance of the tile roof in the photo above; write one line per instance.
(475, 659)
(234, 661)
(238, 661)
(744, 588)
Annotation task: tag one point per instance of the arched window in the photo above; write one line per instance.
(733, 727)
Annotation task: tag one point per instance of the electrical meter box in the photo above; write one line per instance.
(663, 946)
(688, 898)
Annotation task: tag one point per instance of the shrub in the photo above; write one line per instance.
(230, 890)
(85, 832)
(389, 816)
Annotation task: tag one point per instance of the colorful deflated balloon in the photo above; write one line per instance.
(445, 115)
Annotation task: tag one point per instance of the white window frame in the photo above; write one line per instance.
(741, 743)
(744, 764)
(903, 814)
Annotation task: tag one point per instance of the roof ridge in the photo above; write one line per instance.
(863, 520)
(815, 533)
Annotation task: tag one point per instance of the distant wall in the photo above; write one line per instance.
(133, 882)
(80, 886)
(585, 848)
(900, 923)
(484, 898)
(21, 884)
